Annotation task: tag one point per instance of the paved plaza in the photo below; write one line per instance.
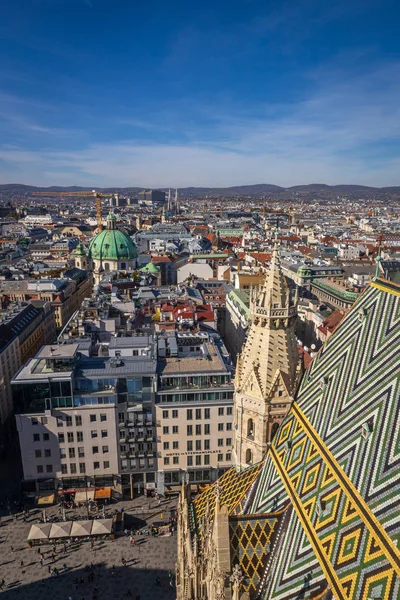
(150, 558)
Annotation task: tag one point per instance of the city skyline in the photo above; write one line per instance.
(197, 95)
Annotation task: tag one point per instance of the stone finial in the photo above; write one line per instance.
(236, 578)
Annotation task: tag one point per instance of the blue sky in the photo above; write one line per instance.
(101, 92)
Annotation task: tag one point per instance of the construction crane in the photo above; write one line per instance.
(93, 194)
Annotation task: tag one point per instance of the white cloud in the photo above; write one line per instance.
(337, 135)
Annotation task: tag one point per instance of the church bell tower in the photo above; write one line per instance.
(267, 368)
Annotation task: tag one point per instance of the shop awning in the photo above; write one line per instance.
(45, 499)
(39, 532)
(81, 528)
(60, 530)
(102, 526)
(83, 496)
(102, 493)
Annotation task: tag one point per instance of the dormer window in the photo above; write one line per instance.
(367, 428)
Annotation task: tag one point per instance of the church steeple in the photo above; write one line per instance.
(267, 368)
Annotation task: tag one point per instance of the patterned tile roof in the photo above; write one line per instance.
(250, 541)
(336, 457)
(232, 486)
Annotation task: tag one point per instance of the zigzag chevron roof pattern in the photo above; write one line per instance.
(336, 456)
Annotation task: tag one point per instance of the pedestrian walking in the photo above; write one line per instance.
(133, 541)
(123, 561)
(41, 561)
(170, 574)
(2, 583)
(65, 548)
(12, 549)
(49, 569)
(22, 564)
(38, 550)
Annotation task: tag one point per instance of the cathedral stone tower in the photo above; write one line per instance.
(267, 368)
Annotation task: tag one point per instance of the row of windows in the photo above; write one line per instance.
(79, 436)
(82, 467)
(199, 429)
(198, 459)
(78, 420)
(81, 451)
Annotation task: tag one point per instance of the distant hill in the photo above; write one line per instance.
(256, 190)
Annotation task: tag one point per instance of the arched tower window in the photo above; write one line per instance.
(106, 266)
(250, 427)
(249, 456)
(274, 429)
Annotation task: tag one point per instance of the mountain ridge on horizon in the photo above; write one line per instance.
(252, 190)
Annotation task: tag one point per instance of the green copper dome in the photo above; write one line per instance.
(79, 250)
(112, 244)
(151, 268)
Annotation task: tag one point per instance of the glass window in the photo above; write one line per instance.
(104, 433)
(106, 464)
(82, 468)
(81, 452)
(165, 414)
(60, 421)
(175, 429)
(105, 449)
(206, 459)
(71, 452)
(229, 426)
(93, 418)
(166, 446)
(43, 420)
(72, 468)
(64, 469)
(189, 445)
(229, 410)
(190, 461)
(174, 414)
(61, 438)
(175, 460)
(70, 436)
(198, 460)
(79, 436)
(47, 453)
(220, 411)
(103, 417)
(94, 433)
(189, 414)
(34, 421)
(96, 465)
(39, 469)
(38, 453)
(166, 460)
(165, 430)
(220, 442)
(68, 421)
(36, 437)
(198, 413)
(189, 430)
(95, 449)
(228, 456)
(63, 453)
(206, 444)
(198, 429)
(206, 429)
(46, 437)
(229, 441)
(220, 457)
(198, 444)
(78, 421)
(220, 426)
(206, 413)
